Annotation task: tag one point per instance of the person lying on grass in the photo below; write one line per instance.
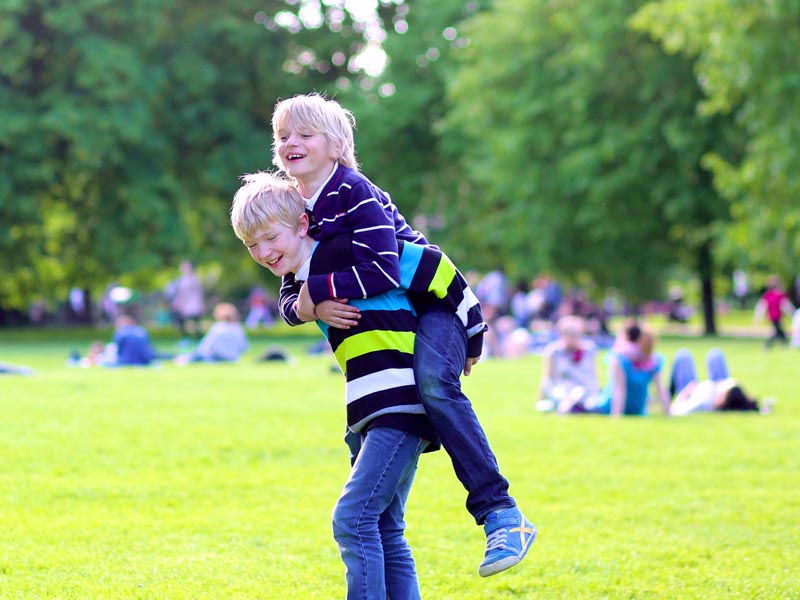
(720, 392)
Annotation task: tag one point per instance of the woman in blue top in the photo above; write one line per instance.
(632, 367)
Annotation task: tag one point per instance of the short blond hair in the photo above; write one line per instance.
(571, 325)
(316, 113)
(226, 312)
(264, 199)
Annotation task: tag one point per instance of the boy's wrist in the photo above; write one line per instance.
(305, 316)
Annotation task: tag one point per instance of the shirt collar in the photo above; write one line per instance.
(302, 272)
(310, 202)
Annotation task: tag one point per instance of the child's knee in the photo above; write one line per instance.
(342, 525)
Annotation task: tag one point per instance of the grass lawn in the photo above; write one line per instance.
(218, 481)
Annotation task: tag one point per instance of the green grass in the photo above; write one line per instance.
(207, 482)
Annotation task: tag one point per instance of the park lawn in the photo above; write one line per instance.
(218, 481)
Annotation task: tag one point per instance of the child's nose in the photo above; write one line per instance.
(258, 252)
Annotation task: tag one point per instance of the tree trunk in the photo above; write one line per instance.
(706, 270)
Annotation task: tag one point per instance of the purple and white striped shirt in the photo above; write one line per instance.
(351, 204)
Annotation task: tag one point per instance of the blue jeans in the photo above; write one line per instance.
(368, 518)
(440, 352)
(684, 371)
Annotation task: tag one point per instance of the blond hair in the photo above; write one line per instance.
(264, 199)
(318, 114)
(225, 311)
(571, 325)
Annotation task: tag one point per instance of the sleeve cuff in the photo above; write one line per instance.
(475, 345)
(319, 288)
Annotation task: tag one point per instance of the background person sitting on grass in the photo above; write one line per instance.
(633, 365)
(225, 340)
(130, 347)
(569, 375)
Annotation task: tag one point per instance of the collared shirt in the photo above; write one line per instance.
(302, 272)
(310, 202)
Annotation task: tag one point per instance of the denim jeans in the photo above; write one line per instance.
(368, 518)
(440, 352)
(684, 371)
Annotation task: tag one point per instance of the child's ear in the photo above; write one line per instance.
(336, 150)
(302, 227)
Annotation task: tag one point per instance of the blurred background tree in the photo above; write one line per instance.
(585, 145)
(613, 143)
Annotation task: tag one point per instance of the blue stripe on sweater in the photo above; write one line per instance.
(410, 257)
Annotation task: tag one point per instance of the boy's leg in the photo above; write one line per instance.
(717, 365)
(399, 567)
(353, 441)
(779, 331)
(439, 357)
(684, 371)
(386, 459)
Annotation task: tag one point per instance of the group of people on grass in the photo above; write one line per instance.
(570, 383)
(132, 346)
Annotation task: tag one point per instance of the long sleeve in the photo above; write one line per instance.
(376, 268)
(290, 289)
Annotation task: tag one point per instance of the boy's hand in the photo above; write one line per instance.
(471, 362)
(338, 313)
(304, 305)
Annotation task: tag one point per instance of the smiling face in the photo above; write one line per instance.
(306, 155)
(280, 248)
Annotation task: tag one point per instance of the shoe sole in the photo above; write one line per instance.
(506, 563)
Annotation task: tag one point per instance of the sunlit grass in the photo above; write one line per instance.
(218, 482)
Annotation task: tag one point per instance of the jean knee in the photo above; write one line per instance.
(342, 525)
(428, 380)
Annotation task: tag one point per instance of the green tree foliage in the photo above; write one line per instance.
(399, 111)
(746, 60)
(124, 126)
(583, 147)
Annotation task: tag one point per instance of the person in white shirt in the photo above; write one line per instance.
(569, 375)
(719, 392)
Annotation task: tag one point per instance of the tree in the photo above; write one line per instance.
(124, 126)
(398, 112)
(582, 148)
(745, 57)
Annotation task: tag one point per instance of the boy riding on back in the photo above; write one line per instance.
(313, 145)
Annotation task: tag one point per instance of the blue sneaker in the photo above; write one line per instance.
(509, 535)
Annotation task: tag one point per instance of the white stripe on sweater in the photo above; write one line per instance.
(385, 274)
(360, 285)
(376, 382)
(363, 202)
(365, 229)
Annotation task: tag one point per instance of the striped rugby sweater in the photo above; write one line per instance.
(352, 205)
(377, 356)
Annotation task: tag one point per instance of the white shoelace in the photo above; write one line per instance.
(497, 539)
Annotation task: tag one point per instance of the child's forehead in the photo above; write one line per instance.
(269, 228)
(288, 121)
